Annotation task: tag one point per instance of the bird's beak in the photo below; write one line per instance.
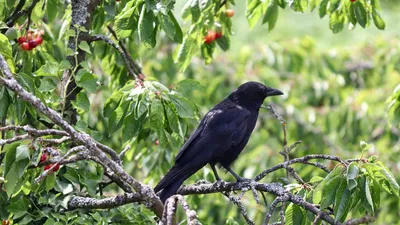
(272, 92)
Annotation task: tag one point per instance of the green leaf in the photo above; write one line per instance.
(63, 187)
(125, 21)
(5, 47)
(317, 193)
(11, 180)
(368, 193)
(50, 69)
(131, 127)
(334, 5)
(52, 10)
(342, 202)
(394, 186)
(173, 120)
(19, 207)
(329, 191)
(11, 151)
(195, 10)
(157, 118)
(171, 26)
(83, 45)
(298, 5)
(224, 42)
(336, 22)
(271, 15)
(361, 14)
(185, 52)
(50, 181)
(184, 107)
(112, 103)
(22, 152)
(313, 4)
(352, 173)
(254, 11)
(47, 84)
(82, 101)
(322, 8)
(86, 80)
(378, 21)
(294, 215)
(4, 102)
(187, 86)
(117, 116)
(147, 31)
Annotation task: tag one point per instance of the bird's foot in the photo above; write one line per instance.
(220, 182)
(243, 182)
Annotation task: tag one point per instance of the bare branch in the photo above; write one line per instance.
(10, 21)
(242, 209)
(281, 199)
(14, 139)
(106, 203)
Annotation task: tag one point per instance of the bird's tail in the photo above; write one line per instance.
(171, 182)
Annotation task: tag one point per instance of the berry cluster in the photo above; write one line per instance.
(30, 41)
(212, 35)
(47, 167)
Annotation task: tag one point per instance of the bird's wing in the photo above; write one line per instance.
(220, 128)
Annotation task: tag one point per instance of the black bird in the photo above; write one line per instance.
(221, 136)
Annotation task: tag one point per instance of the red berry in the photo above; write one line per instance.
(56, 168)
(229, 12)
(156, 142)
(218, 35)
(47, 167)
(21, 40)
(32, 44)
(43, 158)
(26, 46)
(39, 40)
(211, 35)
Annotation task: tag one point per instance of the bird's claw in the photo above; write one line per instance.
(242, 182)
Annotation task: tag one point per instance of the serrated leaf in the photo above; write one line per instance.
(187, 86)
(254, 11)
(131, 127)
(47, 84)
(378, 21)
(83, 45)
(361, 14)
(5, 47)
(173, 120)
(329, 191)
(117, 117)
(157, 118)
(125, 21)
(184, 107)
(294, 215)
(317, 193)
(368, 193)
(336, 22)
(185, 53)
(334, 5)
(171, 26)
(52, 10)
(394, 186)
(342, 202)
(11, 180)
(147, 31)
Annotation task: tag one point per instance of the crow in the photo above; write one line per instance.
(220, 137)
